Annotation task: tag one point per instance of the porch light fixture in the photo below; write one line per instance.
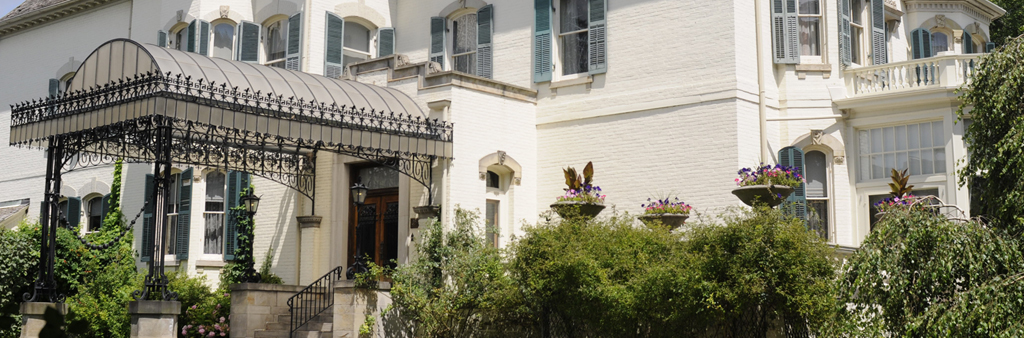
(359, 193)
(252, 203)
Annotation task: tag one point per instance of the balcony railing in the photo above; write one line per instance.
(948, 71)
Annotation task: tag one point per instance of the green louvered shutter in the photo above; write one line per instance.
(334, 38)
(921, 40)
(161, 38)
(845, 42)
(191, 39)
(73, 212)
(484, 47)
(785, 42)
(385, 41)
(184, 214)
(54, 87)
(437, 30)
(204, 38)
(989, 47)
(248, 42)
(597, 61)
(104, 207)
(293, 57)
(968, 43)
(542, 41)
(796, 203)
(879, 54)
(146, 251)
(236, 182)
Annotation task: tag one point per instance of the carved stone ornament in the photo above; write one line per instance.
(433, 67)
(940, 21)
(181, 15)
(816, 136)
(401, 60)
(501, 157)
(224, 11)
(839, 160)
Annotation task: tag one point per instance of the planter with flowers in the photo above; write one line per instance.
(581, 199)
(767, 184)
(664, 211)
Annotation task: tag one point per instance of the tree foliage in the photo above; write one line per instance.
(1009, 25)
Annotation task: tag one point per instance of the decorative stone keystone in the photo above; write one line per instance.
(154, 318)
(32, 319)
(309, 221)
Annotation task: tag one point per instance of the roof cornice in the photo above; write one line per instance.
(49, 14)
(985, 8)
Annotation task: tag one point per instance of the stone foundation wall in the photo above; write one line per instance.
(255, 305)
(352, 305)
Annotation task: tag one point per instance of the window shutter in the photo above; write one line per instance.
(191, 48)
(237, 181)
(922, 43)
(385, 41)
(792, 31)
(204, 38)
(334, 38)
(54, 87)
(184, 215)
(74, 212)
(879, 54)
(248, 42)
(785, 42)
(161, 38)
(104, 206)
(146, 252)
(597, 62)
(294, 42)
(968, 43)
(438, 26)
(845, 42)
(542, 41)
(989, 47)
(484, 34)
(796, 203)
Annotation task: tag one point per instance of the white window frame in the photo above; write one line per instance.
(234, 36)
(863, 214)
(859, 53)
(208, 256)
(502, 195)
(346, 51)
(949, 39)
(265, 44)
(180, 38)
(822, 34)
(88, 212)
(885, 179)
(171, 228)
(829, 189)
(450, 47)
(556, 46)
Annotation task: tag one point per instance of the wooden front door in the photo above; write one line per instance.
(376, 229)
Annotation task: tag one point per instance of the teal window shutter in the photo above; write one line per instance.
(334, 38)
(293, 51)
(989, 47)
(796, 203)
(597, 60)
(385, 41)
(968, 43)
(184, 214)
(237, 182)
(879, 52)
(438, 26)
(845, 42)
(248, 37)
(146, 251)
(105, 206)
(161, 38)
(204, 38)
(785, 42)
(921, 40)
(484, 47)
(542, 40)
(73, 213)
(792, 31)
(54, 87)
(192, 33)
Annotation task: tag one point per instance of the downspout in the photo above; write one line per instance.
(762, 108)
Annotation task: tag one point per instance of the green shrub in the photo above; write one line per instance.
(211, 315)
(20, 252)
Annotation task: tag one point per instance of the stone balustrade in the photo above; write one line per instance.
(944, 71)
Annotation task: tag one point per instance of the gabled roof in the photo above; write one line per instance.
(35, 12)
(30, 6)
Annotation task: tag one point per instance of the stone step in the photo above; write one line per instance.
(284, 334)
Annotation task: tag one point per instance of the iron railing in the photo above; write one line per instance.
(313, 299)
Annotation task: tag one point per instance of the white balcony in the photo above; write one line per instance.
(940, 73)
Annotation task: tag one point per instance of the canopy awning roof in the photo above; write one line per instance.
(227, 113)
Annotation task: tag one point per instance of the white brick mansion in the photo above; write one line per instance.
(666, 97)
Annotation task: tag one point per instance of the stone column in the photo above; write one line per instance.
(309, 248)
(154, 318)
(32, 317)
(352, 305)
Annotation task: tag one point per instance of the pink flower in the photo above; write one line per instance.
(222, 334)
(218, 306)
(201, 331)
(221, 319)
(184, 332)
(216, 326)
(211, 334)
(193, 307)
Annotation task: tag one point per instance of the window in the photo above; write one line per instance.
(95, 220)
(181, 40)
(356, 43)
(573, 29)
(816, 171)
(223, 40)
(213, 216)
(464, 43)
(810, 27)
(872, 199)
(491, 218)
(276, 42)
(857, 11)
(171, 222)
(940, 43)
(918, 147)
(493, 180)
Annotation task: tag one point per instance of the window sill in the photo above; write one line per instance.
(171, 260)
(210, 264)
(824, 68)
(582, 80)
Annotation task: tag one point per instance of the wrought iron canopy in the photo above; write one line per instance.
(229, 114)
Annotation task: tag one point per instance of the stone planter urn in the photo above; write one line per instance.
(309, 221)
(773, 195)
(567, 209)
(673, 221)
(427, 211)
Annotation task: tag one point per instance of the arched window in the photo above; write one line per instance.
(276, 42)
(213, 216)
(818, 202)
(181, 39)
(464, 41)
(356, 43)
(940, 43)
(95, 208)
(223, 40)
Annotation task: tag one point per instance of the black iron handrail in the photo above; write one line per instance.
(313, 299)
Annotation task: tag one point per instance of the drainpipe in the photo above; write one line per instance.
(762, 108)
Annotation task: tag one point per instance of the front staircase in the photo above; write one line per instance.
(321, 326)
(308, 313)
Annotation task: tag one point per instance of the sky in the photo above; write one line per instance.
(7, 5)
